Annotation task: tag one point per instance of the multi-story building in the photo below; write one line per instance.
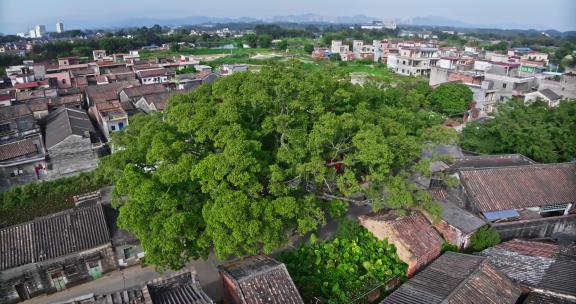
(413, 61)
(40, 30)
(59, 27)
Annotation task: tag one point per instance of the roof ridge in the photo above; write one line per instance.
(538, 165)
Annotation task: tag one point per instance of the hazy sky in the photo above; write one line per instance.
(18, 15)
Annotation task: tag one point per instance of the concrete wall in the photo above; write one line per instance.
(539, 228)
(72, 155)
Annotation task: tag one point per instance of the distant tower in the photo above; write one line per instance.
(32, 33)
(40, 31)
(59, 27)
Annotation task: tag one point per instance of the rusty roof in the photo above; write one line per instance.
(505, 188)
(17, 149)
(530, 248)
(456, 278)
(53, 236)
(108, 91)
(261, 279)
(413, 231)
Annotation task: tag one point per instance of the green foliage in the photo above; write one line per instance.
(337, 208)
(542, 133)
(265, 41)
(335, 57)
(24, 203)
(451, 98)
(483, 238)
(282, 45)
(308, 48)
(341, 269)
(348, 228)
(240, 164)
(446, 246)
(186, 70)
(251, 40)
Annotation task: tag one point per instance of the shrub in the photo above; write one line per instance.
(483, 238)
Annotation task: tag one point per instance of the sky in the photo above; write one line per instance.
(19, 15)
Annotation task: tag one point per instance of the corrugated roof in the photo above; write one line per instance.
(262, 280)
(53, 236)
(456, 278)
(493, 189)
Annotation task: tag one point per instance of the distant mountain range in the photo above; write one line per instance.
(111, 22)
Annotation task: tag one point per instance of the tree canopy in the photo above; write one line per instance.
(540, 132)
(451, 98)
(241, 164)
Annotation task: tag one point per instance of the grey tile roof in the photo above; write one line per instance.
(65, 122)
(456, 278)
(550, 94)
(261, 279)
(142, 90)
(487, 161)
(180, 288)
(561, 275)
(53, 236)
(541, 298)
(494, 189)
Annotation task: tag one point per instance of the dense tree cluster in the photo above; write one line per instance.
(343, 269)
(540, 132)
(241, 164)
(451, 98)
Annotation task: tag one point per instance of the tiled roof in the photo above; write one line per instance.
(15, 111)
(515, 259)
(261, 279)
(560, 276)
(542, 298)
(142, 90)
(30, 85)
(459, 279)
(491, 161)
(107, 91)
(413, 231)
(180, 288)
(65, 122)
(453, 214)
(37, 105)
(17, 149)
(550, 94)
(159, 100)
(53, 236)
(152, 73)
(493, 189)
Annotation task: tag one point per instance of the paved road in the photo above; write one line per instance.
(135, 277)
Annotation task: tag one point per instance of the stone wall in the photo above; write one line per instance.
(539, 228)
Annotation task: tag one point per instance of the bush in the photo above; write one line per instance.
(483, 238)
(340, 270)
(446, 246)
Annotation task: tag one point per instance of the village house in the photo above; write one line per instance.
(537, 266)
(53, 253)
(21, 161)
(416, 241)
(229, 69)
(546, 95)
(153, 76)
(110, 116)
(457, 278)
(416, 61)
(17, 121)
(257, 279)
(133, 94)
(153, 102)
(107, 92)
(71, 142)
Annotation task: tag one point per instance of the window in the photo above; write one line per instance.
(128, 253)
(120, 125)
(63, 81)
(5, 127)
(113, 128)
(503, 85)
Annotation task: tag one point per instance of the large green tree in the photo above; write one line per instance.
(540, 132)
(451, 98)
(241, 164)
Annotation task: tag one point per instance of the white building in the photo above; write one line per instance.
(40, 31)
(32, 33)
(59, 27)
(414, 61)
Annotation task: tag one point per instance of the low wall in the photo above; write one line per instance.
(539, 228)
